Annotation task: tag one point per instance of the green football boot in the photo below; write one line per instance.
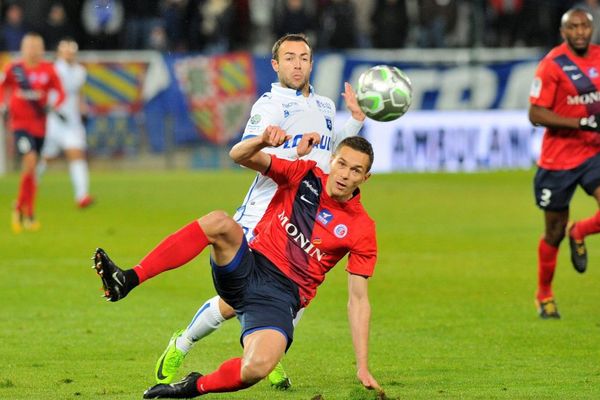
(170, 361)
(279, 379)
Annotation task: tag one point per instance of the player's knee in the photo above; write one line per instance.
(216, 223)
(256, 368)
(555, 235)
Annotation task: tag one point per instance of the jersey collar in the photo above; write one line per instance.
(293, 93)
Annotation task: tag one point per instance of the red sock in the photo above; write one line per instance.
(546, 265)
(226, 379)
(24, 197)
(586, 227)
(30, 206)
(174, 251)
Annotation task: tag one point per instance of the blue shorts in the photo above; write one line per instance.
(554, 189)
(26, 142)
(261, 295)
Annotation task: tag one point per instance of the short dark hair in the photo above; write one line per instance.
(360, 144)
(291, 37)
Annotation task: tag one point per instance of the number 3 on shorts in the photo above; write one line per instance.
(545, 197)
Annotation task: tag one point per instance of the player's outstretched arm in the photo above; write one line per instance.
(248, 152)
(546, 117)
(359, 315)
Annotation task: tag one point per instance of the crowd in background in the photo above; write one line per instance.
(223, 25)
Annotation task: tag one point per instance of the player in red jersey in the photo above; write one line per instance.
(26, 83)
(565, 98)
(313, 221)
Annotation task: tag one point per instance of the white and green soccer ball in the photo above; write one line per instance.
(384, 93)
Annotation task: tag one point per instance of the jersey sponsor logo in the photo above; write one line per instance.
(29, 94)
(323, 105)
(310, 187)
(286, 113)
(576, 76)
(297, 236)
(584, 99)
(324, 217)
(340, 231)
(324, 144)
(289, 105)
(536, 87)
(568, 68)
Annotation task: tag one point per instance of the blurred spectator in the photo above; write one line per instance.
(293, 18)
(103, 21)
(57, 26)
(437, 20)
(141, 17)
(364, 11)
(390, 24)
(14, 28)
(593, 6)
(240, 25)
(210, 24)
(503, 16)
(261, 19)
(173, 14)
(338, 26)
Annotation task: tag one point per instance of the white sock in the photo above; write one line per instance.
(208, 319)
(80, 178)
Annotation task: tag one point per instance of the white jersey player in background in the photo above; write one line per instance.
(64, 130)
(293, 106)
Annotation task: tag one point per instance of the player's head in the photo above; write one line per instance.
(292, 60)
(32, 48)
(67, 49)
(350, 166)
(576, 27)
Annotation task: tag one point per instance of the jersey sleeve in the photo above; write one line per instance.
(363, 255)
(264, 112)
(350, 128)
(285, 171)
(544, 85)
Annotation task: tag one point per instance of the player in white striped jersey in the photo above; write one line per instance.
(65, 131)
(293, 106)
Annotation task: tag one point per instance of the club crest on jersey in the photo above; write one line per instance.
(324, 217)
(340, 231)
(329, 123)
(593, 72)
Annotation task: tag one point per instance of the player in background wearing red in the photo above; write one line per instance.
(313, 221)
(565, 98)
(26, 84)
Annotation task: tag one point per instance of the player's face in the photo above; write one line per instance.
(348, 171)
(577, 30)
(32, 49)
(293, 65)
(67, 50)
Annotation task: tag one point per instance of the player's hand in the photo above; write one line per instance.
(307, 142)
(367, 380)
(590, 123)
(274, 136)
(352, 103)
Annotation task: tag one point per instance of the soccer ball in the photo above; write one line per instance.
(384, 93)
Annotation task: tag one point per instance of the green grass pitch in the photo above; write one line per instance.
(452, 296)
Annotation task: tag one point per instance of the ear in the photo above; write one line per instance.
(275, 65)
(367, 176)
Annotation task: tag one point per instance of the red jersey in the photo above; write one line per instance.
(569, 86)
(304, 232)
(28, 88)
